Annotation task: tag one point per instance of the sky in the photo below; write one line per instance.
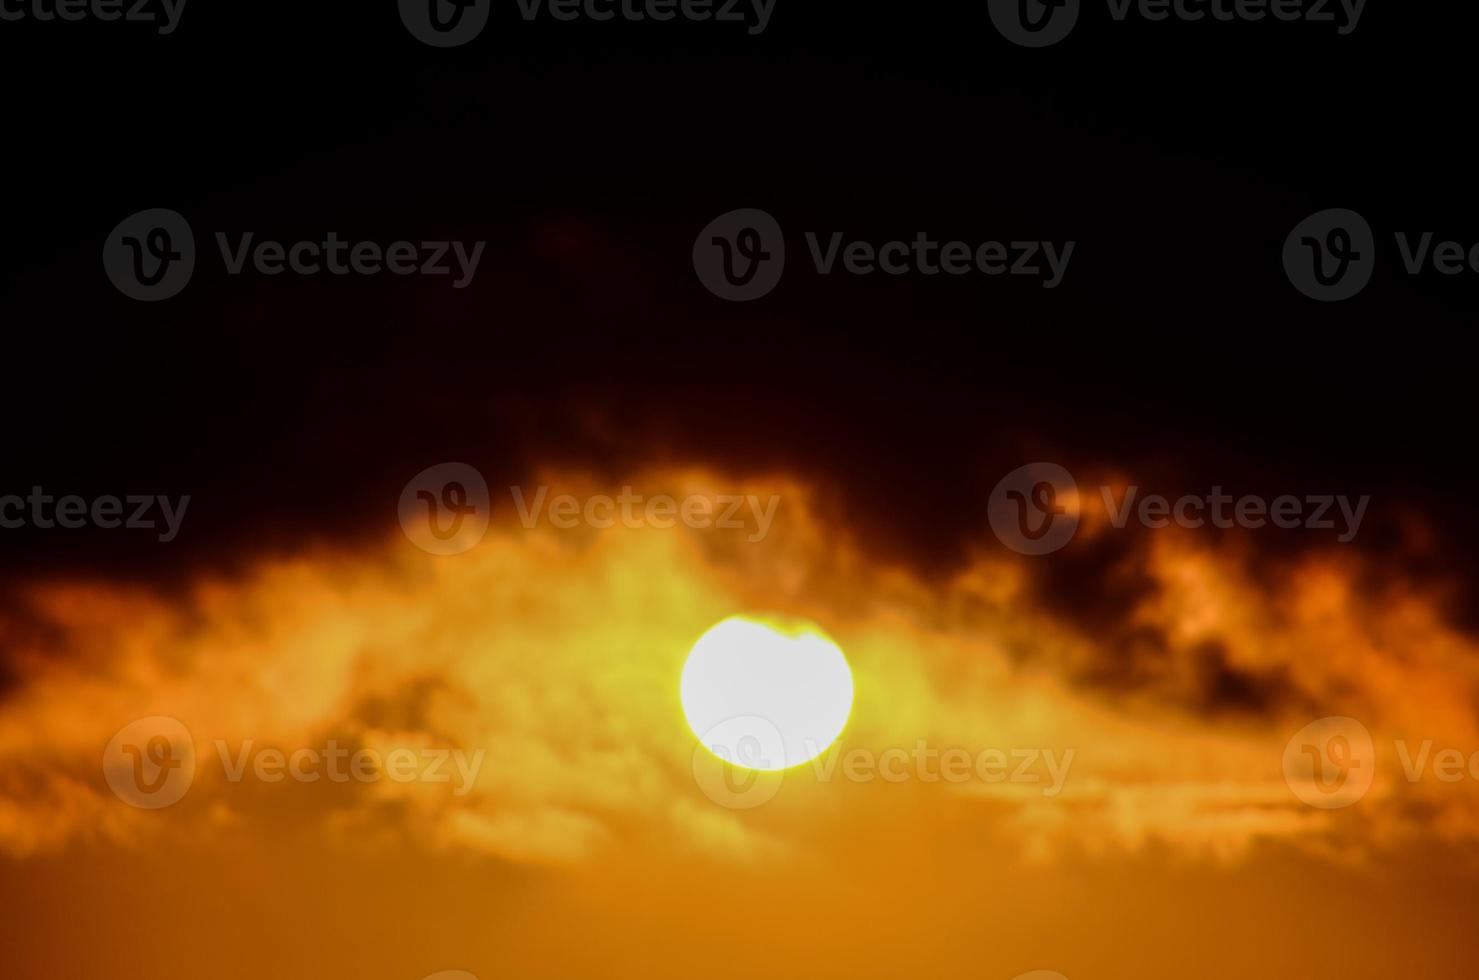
(1156, 587)
(1138, 801)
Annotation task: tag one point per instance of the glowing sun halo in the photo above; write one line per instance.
(766, 693)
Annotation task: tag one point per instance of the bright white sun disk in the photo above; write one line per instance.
(766, 694)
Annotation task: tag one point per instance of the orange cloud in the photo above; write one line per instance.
(555, 653)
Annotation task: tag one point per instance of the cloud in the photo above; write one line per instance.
(557, 654)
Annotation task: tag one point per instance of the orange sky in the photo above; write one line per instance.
(586, 845)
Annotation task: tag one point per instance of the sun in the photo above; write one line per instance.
(766, 693)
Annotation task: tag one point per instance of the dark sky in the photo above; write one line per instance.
(588, 156)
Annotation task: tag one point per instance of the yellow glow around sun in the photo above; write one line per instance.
(766, 694)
